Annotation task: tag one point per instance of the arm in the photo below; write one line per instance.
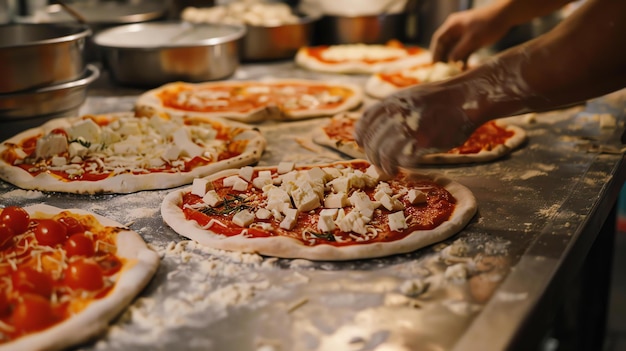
(464, 32)
(582, 58)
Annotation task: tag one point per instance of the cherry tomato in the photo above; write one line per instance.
(72, 225)
(50, 232)
(6, 234)
(84, 275)
(32, 313)
(15, 217)
(30, 280)
(79, 245)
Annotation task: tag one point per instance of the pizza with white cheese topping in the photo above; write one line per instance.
(124, 153)
(65, 275)
(491, 141)
(252, 101)
(339, 211)
(361, 58)
(383, 84)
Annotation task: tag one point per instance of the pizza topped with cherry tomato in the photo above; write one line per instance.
(62, 268)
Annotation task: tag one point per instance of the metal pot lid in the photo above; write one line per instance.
(107, 12)
(168, 34)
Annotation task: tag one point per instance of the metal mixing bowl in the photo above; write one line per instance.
(371, 29)
(152, 54)
(38, 55)
(50, 100)
(277, 42)
(32, 108)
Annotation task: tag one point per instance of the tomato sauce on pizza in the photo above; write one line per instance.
(98, 161)
(248, 97)
(486, 137)
(395, 50)
(52, 267)
(437, 206)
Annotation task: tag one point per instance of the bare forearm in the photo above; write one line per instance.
(516, 12)
(580, 59)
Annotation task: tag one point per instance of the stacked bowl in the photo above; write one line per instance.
(44, 72)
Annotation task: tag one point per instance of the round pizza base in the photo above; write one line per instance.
(125, 182)
(149, 102)
(352, 149)
(134, 276)
(284, 247)
(518, 138)
(304, 60)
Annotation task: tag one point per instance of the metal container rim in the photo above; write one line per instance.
(82, 31)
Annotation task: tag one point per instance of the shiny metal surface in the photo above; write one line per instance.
(33, 106)
(277, 42)
(151, 54)
(370, 29)
(36, 55)
(540, 210)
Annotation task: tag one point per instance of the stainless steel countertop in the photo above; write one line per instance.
(540, 210)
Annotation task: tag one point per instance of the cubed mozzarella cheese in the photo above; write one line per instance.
(240, 185)
(86, 129)
(263, 213)
(246, 173)
(172, 153)
(285, 167)
(353, 221)
(189, 148)
(58, 161)
(337, 200)
(212, 199)
(51, 145)
(291, 216)
(243, 218)
(391, 203)
(305, 199)
(231, 180)
(200, 186)
(397, 221)
(415, 196)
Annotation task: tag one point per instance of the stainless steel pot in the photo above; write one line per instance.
(37, 55)
(151, 54)
(51, 100)
(277, 42)
(370, 29)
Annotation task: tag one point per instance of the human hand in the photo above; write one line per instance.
(427, 118)
(464, 32)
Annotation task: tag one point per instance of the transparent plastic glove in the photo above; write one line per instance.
(464, 32)
(397, 131)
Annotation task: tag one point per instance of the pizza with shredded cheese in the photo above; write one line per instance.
(491, 141)
(124, 153)
(383, 84)
(65, 275)
(252, 101)
(361, 58)
(340, 211)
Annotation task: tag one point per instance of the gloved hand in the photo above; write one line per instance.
(400, 129)
(464, 32)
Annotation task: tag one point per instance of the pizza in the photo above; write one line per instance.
(383, 84)
(65, 275)
(124, 153)
(490, 141)
(338, 211)
(361, 58)
(252, 101)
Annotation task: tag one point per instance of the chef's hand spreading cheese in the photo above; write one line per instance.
(401, 128)
(580, 59)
